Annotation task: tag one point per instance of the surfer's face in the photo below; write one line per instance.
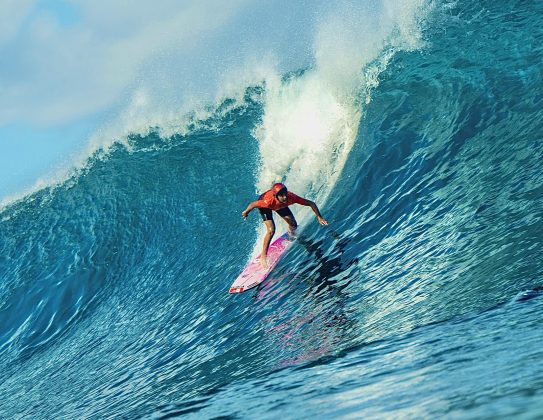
(282, 197)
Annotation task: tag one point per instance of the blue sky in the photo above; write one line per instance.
(30, 151)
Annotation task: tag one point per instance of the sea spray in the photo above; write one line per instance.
(311, 121)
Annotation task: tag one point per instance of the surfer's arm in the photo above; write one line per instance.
(315, 209)
(250, 207)
(305, 202)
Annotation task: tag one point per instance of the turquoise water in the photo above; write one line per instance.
(423, 299)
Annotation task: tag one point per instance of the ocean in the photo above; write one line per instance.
(420, 137)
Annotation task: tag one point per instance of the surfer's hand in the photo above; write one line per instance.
(322, 221)
(245, 214)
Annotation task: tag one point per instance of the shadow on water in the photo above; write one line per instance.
(308, 316)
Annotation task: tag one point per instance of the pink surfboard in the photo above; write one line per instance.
(254, 273)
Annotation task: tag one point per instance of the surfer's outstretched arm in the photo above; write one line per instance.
(315, 209)
(249, 208)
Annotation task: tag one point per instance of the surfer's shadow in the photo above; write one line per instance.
(320, 271)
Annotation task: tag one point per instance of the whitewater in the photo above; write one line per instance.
(417, 129)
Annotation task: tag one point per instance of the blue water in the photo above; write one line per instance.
(423, 299)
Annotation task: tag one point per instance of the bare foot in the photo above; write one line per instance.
(263, 262)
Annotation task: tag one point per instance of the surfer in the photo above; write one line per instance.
(279, 199)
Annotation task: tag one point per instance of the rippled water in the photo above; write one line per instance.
(422, 299)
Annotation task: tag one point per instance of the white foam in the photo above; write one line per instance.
(311, 122)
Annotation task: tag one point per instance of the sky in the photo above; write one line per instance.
(69, 68)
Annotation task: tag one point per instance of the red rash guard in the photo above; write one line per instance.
(269, 201)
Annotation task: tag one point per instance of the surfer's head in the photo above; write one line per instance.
(280, 192)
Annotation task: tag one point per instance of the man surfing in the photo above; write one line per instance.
(278, 199)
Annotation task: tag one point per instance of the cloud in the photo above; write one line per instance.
(56, 73)
(13, 14)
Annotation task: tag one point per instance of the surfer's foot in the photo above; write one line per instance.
(263, 261)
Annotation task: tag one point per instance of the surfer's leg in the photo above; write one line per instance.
(288, 217)
(270, 231)
(292, 225)
(267, 217)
